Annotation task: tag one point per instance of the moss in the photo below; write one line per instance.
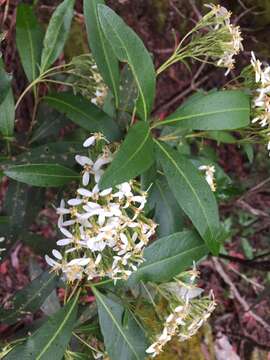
(191, 349)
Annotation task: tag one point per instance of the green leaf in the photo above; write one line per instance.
(61, 152)
(38, 244)
(29, 36)
(169, 256)
(7, 115)
(220, 110)
(83, 113)
(168, 214)
(106, 61)
(128, 96)
(56, 34)
(5, 81)
(43, 175)
(51, 339)
(122, 341)
(22, 204)
(49, 124)
(249, 150)
(135, 155)
(222, 137)
(29, 299)
(192, 193)
(128, 47)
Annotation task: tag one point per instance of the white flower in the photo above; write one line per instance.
(209, 175)
(92, 139)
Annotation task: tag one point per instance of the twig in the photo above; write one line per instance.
(250, 339)
(237, 295)
(195, 9)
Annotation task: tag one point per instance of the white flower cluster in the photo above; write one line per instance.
(101, 89)
(261, 101)
(87, 80)
(209, 171)
(233, 45)
(105, 232)
(187, 315)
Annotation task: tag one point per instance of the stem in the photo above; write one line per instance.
(100, 283)
(84, 342)
(29, 87)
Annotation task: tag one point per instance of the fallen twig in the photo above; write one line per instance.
(237, 295)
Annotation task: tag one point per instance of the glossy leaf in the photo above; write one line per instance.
(192, 193)
(7, 115)
(106, 61)
(29, 36)
(135, 155)
(29, 299)
(56, 34)
(83, 113)
(220, 110)
(5, 81)
(167, 213)
(169, 256)
(128, 47)
(51, 339)
(122, 341)
(41, 174)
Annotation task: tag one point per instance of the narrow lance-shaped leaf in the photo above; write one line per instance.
(107, 62)
(51, 339)
(5, 81)
(192, 193)
(61, 152)
(167, 213)
(220, 110)
(29, 299)
(169, 256)
(129, 48)
(84, 114)
(135, 156)
(56, 34)
(122, 342)
(7, 115)
(43, 175)
(29, 36)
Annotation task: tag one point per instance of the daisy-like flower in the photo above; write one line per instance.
(209, 171)
(92, 139)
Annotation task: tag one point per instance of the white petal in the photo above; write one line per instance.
(66, 232)
(106, 192)
(84, 192)
(83, 160)
(50, 261)
(63, 242)
(68, 222)
(86, 178)
(98, 175)
(90, 141)
(57, 254)
(81, 262)
(101, 219)
(74, 202)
